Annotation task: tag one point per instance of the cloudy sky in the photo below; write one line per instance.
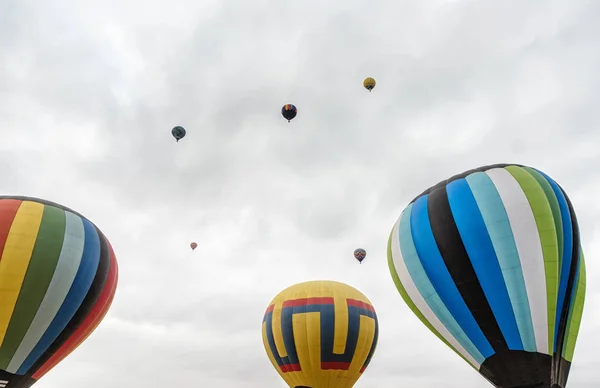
(89, 91)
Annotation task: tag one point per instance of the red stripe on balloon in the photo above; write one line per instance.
(8, 211)
(335, 365)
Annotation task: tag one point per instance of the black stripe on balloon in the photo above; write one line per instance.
(86, 306)
(459, 265)
(462, 175)
(16, 381)
(559, 373)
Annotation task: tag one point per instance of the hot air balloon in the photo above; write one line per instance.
(369, 83)
(360, 254)
(193, 246)
(320, 334)
(58, 276)
(490, 261)
(178, 132)
(289, 111)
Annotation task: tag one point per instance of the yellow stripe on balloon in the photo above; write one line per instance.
(341, 321)
(313, 330)
(301, 323)
(15, 258)
(363, 345)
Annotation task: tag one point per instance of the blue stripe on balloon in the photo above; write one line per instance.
(268, 319)
(498, 226)
(79, 289)
(426, 289)
(478, 245)
(567, 253)
(438, 273)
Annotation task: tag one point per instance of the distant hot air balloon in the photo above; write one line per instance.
(58, 276)
(360, 254)
(369, 83)
(178, 132)
(320, 334)
(289, 111)
(490, 261)
(193, 246)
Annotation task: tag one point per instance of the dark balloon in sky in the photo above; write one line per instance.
(178, 132)
(289, 111)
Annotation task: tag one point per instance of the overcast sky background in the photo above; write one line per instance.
(89, 91)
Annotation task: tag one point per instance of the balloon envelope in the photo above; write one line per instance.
(490, 261)
(289, 111)
(58, 276)
(193, 246)
(320, 334)
(369, 83)
(360, 254)
(178, 132)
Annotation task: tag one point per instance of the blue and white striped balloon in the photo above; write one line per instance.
(490, 261)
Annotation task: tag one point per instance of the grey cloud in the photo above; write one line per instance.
(90, 90)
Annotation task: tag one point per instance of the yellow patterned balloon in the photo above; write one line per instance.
(320, 334)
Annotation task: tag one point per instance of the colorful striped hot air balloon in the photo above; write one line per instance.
(490, 261)
(320, 334)
(58, 275)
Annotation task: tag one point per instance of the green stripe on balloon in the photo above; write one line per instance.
(547, 231)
